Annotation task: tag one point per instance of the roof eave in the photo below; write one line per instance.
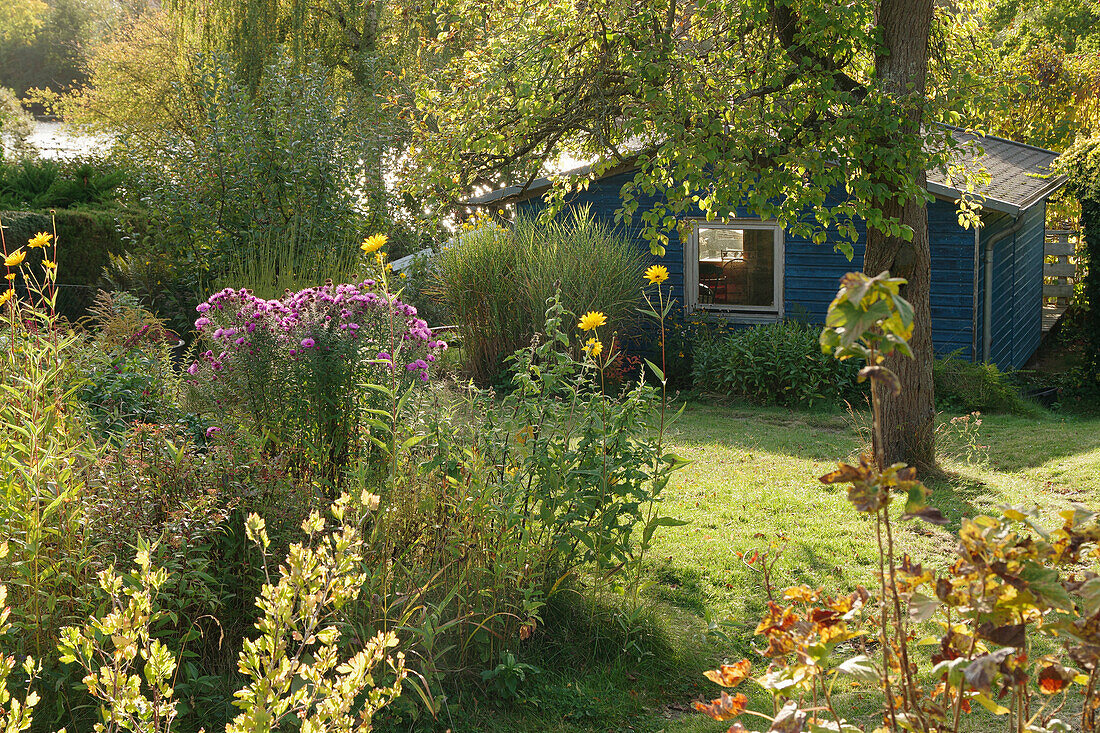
(938, 189)
(509, 194)
(513, 194)
(1045, 192)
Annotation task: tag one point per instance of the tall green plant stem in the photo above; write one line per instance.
(660, 312)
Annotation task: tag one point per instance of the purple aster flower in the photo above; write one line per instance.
(308, 343)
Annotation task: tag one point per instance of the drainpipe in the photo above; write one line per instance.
(974, 300)
(987, 325)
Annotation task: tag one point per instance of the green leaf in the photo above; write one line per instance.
(922, 607)
(657, 371)
(1046, 583)
(862, 668)
(989, 704)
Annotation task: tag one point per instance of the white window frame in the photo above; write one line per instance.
(742, 313)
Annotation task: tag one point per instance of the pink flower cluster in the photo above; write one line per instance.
(348, 319)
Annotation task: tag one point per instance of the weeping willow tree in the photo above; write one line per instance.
(363, 43)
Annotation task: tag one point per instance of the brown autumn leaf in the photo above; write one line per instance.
(866, 496)
(1009, 635)
(729, 675)
(842, 475)
(1054, 678)
(881, 375)
(789, 720)
(983, 670)
(726, 707)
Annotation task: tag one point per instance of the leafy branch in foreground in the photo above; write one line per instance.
(1012, 583)
(295, 666)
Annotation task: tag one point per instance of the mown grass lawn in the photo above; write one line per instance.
(753, 477)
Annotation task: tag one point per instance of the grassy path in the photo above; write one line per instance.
(753, 478)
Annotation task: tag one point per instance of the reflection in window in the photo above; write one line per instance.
(736, 267)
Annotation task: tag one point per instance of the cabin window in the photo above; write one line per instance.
(736, 269)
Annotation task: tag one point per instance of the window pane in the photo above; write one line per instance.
(736, 267)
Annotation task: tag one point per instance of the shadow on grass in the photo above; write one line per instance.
(594, 671)
(955, 495)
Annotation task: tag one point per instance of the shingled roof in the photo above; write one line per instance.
(1020, 175)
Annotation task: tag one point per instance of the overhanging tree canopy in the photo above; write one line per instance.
(770, 105)
(722, 103)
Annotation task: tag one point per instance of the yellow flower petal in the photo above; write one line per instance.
(42, 239)
(15, 259)
(6, 296)
(656, 274)
(594, 347)
(591, 319)
(374, 242)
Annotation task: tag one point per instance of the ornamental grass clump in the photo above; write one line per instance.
(495, 282)
(291, 366)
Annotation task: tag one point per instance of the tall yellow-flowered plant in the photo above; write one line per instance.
(590, 321)
(41, 288)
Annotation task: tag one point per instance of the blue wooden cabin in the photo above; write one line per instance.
(987, 284)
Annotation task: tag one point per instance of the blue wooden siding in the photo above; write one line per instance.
(1027, 309)
(812, 272)
(1017, 321)
(1001, 319)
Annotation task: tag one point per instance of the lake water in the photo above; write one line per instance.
(56, 140)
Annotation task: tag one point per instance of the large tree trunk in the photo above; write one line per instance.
(902, 69)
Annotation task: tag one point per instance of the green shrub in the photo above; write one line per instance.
(44, 183)
(127, 375)
(966, 387)
(269, 172)
(495, 282)
(774, 364)
(86, 240)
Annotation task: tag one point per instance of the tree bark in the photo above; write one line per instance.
(902, 70)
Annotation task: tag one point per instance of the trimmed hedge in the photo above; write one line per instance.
(85, 241)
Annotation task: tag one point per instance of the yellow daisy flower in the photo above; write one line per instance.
(42, 239)
(591, 319)
(9, 276)
(15, 259)
(49, 265)
(656, 274)
(6, 296)
(594, 347)
(374, 242)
